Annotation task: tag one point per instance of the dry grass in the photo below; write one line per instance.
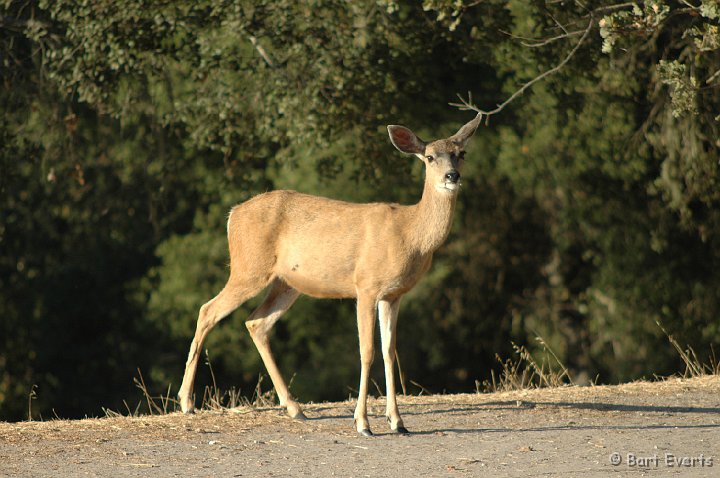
(694, 367)
(525, 372)
(213, 398)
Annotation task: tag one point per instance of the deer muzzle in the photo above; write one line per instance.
(452, 176)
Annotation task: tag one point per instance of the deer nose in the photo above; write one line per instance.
(452, 176)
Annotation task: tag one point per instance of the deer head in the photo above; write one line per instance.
(443, 158)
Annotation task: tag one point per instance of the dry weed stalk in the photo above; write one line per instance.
(525, 372)
(693, 366)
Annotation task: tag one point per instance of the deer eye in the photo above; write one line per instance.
(461, 156)
(430, 158)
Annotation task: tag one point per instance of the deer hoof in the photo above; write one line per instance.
(299, 416)
(366, 432)
(187, 407)
(401, 431)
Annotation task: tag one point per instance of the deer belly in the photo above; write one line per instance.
(317, 279)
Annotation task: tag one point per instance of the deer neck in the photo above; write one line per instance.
(431, 219)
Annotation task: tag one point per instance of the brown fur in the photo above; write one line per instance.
(301, 244)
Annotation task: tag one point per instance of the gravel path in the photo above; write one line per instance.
(654, 429)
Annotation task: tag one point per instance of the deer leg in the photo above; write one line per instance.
(366, 324)
(388, 313)
(278, 300)
(229, 299)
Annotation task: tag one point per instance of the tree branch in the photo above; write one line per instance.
(464, 105)
(262, 52)
(534, 42)
(21, 24)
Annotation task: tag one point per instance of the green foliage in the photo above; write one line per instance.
(589, 209)
(694, 39)
(638, 20)
(682, 89)
(624, 176)
(710, 9)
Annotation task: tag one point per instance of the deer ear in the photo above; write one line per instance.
(465, 133)
(405, 140)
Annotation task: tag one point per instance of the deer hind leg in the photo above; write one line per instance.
(388, 313)
(278, 300)
(230, 298)
(366, 324)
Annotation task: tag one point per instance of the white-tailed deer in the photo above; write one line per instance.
(300, 244)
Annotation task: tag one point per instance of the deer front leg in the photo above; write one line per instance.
(388, 312)
(366, 325)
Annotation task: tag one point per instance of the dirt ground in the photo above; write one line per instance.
(653, 429)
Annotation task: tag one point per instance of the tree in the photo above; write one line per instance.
(129, 128)
(619, 146)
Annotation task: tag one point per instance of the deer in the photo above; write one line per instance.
(292, 243)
